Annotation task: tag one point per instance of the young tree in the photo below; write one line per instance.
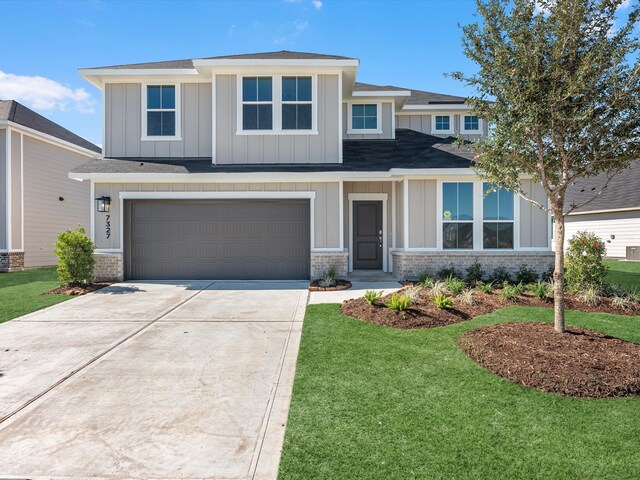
(559, 83)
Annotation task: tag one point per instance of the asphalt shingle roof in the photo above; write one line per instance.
(622, 192)
(15, 112)
(409, 149)
(418, 97)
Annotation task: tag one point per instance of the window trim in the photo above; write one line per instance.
(364, 131)
(512, 221)
(297, 102)
(276, 96)
(472, 221)
(442, 132)
(178, 110)
(464, 130)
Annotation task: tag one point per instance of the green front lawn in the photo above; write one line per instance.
(22, 292)
(371, 402)
(624, 273)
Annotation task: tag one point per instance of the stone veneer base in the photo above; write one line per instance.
(11, 261)
(409, 265)
(109, 267)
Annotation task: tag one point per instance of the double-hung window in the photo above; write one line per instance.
(457, 215)
(471, 123)
(296, 103)
(442, 123)
(161, 111)
(497, 213)
(257, 103)
(364, 117)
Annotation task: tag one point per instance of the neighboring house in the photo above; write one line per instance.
(614, 215)
(280, 165)
(37, 198)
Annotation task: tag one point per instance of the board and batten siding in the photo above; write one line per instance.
(323, 147)
(123, 123)
(386, 123)
(46, 168)
(534, 222)
(422, 123)
(3, 190)
(625, 226)
(326, 213)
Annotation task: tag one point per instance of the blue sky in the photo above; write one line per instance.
(405, 43)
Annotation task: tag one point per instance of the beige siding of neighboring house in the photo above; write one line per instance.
(326, 203)
(534, 222)
(16, 191)
(386, 124)
(422, 214)
(323, 147)
(123, 123)
(3, 190)
(421, 122)
(625, 226)
(46, 168)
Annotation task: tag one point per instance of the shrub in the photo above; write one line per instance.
(613, 289)
(443, 302)
(509, 292)
(413, 292)
(438, 288)
(519, 288)
(371, 296)
(584, 266)
(329, 278)
(589, 295)
(475, 272)
(427, 282)
(399, 302)
(542, 290)
(500, 275)
(75, 257)
(454, 285)
(526, 275)
(485, 287)
(447, 272)
(467, 296)
(547, 276)
(623, 302)
(423, 276)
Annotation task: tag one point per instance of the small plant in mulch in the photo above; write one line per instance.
(541, 289)
(484, 287)
(443, 302)
(399, 302)
(578, 363)
(475, 273)
(455, 285)
(329, 281)
(526, 275)
(372, 297)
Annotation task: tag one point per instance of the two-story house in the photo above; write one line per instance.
(281, 165)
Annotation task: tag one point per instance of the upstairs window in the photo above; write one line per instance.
(497, 213)
(296, 103)
(364, 117)
(457, 215)
(471, 123)
(257, 103)
(442, 123)
(161, 111)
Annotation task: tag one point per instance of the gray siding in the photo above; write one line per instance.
(422, 123)
(326, 212)
(399, 214)
(3, 190)
(123, 124)
(232, 148)
(534, 223)
(387, 124)
(422, 214)
(45, 180)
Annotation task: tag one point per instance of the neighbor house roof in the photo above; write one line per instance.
(418, 97)
(188, 63)
(12, 111)
(410, 149)
(622, 192)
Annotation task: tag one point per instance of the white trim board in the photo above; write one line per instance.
(177, 137)
(383, 197)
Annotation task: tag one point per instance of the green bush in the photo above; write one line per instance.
(590, 296)
(447, 272)
(443, 302)
(427, 282)
(399, 302)
(485, 287)
(329, 278)
(474, 273)
(75, 257)
(500, 275)
(509, 292)
(584, 266)
(542, 290)
(423, 276)
(454, 285)
(371, 296)
(526, 275)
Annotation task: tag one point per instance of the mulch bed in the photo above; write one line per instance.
(424, 314)
(340, 285)
(579, 363)
(76, 290)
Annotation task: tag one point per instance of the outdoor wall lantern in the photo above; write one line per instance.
(103, 204)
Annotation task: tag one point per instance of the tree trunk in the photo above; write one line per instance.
(558, 272)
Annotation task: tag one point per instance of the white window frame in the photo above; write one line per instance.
(178, 110)
(364, 131)
(441, 132)
(464, 130)
(276, 96)
(242, 103)
(472, 221)
(512, 221)
(297, 102)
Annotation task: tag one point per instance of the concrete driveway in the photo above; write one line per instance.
(151, 380)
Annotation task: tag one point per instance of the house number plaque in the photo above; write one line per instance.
(108, 226)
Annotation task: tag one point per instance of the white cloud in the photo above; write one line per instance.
(317, 4)
(43, 93)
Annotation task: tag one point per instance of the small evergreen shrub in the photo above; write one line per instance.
(423, 276)
(75, 257)
(371, 296)
(484, 287)
(542, 290)
(509, 292)
(467, 296)
(547, 276)
(443, 302)
(399, 302)
(475, 273)
(454, 285)
(526, 275)
(584, 266)
(427, 282)
(589, 295)
(329, 278)
(447, 272)
(438, 288)
(500, 275)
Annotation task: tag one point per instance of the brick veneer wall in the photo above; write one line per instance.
(408, 265)
(323, 261)
(109, 267)
(11, 261)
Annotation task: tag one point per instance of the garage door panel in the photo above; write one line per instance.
(217, 239)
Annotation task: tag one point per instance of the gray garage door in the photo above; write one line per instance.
(217, 239)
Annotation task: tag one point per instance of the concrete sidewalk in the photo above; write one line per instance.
(357, 290)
